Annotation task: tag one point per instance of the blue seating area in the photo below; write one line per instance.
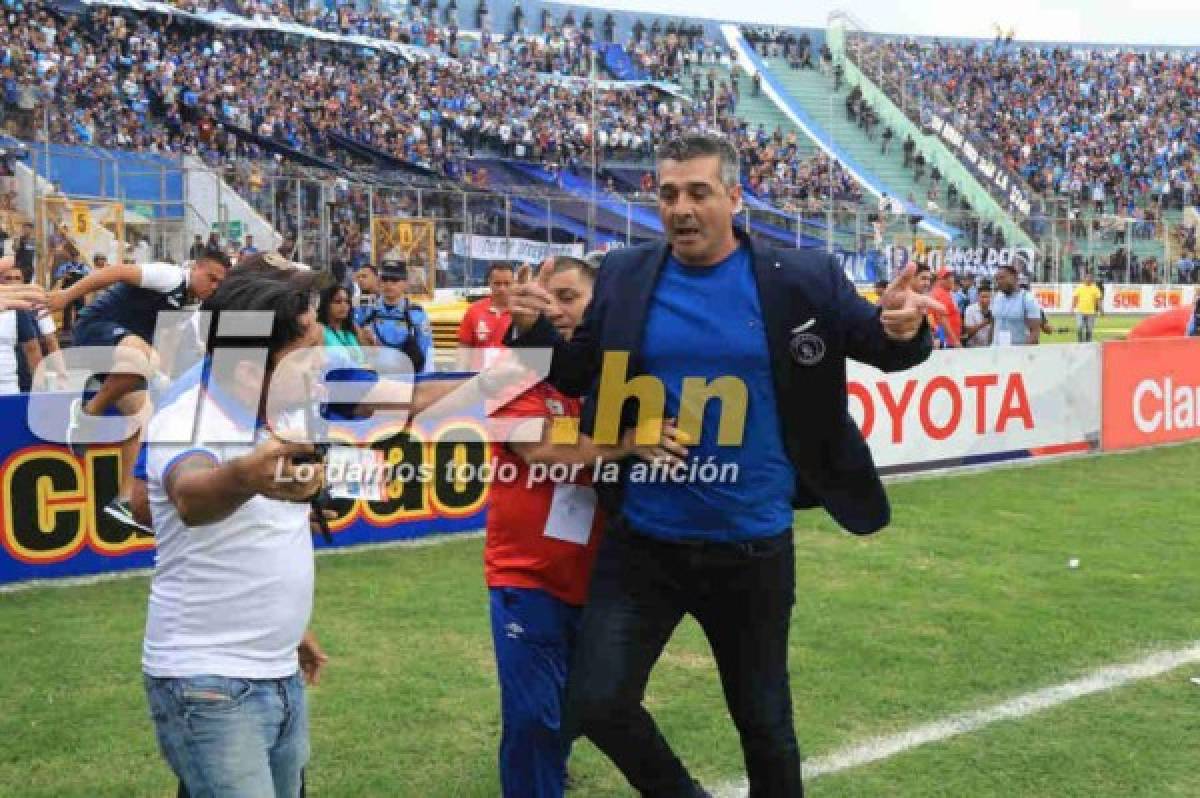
(615, 216)
(154, 181)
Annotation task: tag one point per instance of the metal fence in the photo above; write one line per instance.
(327, 218)
(1119, 248)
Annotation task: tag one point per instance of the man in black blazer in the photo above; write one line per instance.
(710, 303)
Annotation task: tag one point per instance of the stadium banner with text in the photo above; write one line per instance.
(993, 174)
(974, 406)
(974, 261)
(1118, 298)
(518, 249)
(53, 525)
(1151, 392)
(961, 408)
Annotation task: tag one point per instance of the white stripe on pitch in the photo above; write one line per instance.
(880, 748)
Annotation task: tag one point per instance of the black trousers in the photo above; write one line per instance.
(742, 596)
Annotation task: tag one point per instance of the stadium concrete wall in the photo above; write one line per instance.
(213, 201)
(959, 409)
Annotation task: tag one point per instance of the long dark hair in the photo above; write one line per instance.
(327, 297)
(285, 293)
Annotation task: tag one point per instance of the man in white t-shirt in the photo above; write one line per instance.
(226, 631)
(977, 320)
(18, 327)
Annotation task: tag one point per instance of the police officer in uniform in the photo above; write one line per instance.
(398, 325)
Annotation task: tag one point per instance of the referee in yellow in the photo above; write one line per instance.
(1085, 304)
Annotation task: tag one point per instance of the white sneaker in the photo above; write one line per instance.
(119, 510)
(75, 427)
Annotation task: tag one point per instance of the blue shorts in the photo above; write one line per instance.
(98, 332)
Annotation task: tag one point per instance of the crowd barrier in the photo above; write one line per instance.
(973, 406)
(961, 408)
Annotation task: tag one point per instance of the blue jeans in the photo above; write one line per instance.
(742, 595)
(232, 738)
(534, 635)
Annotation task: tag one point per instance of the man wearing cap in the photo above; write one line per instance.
(400, 327)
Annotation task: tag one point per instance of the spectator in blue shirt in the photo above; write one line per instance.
(1016, 314)
(398, 326)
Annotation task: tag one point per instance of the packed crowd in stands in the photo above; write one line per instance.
(150, 83)
(666, 53)
(777, 170)
(1113, 131)
(193, 80)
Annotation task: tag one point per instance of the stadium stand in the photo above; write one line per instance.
(320, 118)
(1105, 140)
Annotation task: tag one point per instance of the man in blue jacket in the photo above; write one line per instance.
(710, 303)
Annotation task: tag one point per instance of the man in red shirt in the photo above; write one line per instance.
(542, 534)
(486, 321)
(951, 322)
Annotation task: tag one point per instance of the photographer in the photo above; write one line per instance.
(232, 591)
(977, 321)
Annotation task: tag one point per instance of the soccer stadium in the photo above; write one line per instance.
(531, 399)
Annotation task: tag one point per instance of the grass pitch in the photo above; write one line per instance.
(1108, 328)
(966, 600)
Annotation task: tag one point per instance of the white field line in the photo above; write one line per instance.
(880, 748)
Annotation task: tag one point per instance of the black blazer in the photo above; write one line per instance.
(814, 320)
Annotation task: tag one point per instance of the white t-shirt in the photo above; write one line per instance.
(972, 317)
(8, 353)
(163, 277)
(231, 598)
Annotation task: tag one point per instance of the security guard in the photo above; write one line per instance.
(398, 325)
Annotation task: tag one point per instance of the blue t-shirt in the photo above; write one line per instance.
(132, 307)
(1011, 314)
(706, 322)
